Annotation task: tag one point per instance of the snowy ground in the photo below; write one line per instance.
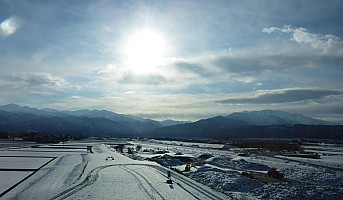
(307, 178)
(69, 172)
(76, 174)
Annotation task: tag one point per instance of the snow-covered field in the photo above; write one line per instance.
(215, 172)
(104, 174)
(304, 178)
(10, 178)
(22, 162)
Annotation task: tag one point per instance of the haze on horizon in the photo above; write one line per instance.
(183, 60)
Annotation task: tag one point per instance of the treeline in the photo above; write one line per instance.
(45, 138)
(40, 137)
(270, 145)
(3, 135)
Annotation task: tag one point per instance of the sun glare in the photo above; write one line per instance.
(145, 51)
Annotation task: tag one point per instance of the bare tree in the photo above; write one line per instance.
(120, 148)
(138, 147)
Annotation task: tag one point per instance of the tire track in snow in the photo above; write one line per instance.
(133, 172)
(89, 180)
(93, 175)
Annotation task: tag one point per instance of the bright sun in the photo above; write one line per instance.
(145, 51)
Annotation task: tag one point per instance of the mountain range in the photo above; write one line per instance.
(104, 123)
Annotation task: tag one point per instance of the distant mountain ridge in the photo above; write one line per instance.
(170, 122)
(127, 124)
(255, 124)
(23, 122)
(78, 113)
(272, 117)
(260, 124)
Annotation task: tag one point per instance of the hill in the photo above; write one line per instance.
(104, 123)
(255, 124)
(272, 117)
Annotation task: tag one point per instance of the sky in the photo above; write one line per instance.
(181, 60)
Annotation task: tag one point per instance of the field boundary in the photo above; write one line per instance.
(24, 179)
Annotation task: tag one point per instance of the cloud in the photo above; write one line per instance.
(21, 84)
(207, 69)
(40, 79)
(122, 75)
(118, 80)
(283, 96)
(270, 30)
(260, 65)
(130, 92)
(36, 88)
(75, 97)
(327, 43)
(239, 65)
(189, 67)
(146, 79)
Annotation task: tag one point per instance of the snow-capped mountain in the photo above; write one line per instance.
(14, 108)
(256, 124)
(20, 118)
(170, 122)
(272, 117)
(103, 114)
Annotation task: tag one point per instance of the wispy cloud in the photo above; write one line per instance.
(283, 96)
(120, 75)
(324, 42)
(75, 97)
(26, 83)
(188, 67)
(40, 79)
(145, 79)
